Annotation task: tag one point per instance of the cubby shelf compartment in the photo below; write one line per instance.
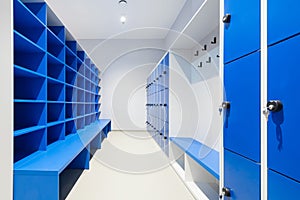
(28, 85)
(87, 73)
(28, 55)
(88, 108)
(80, 67)
(80, 95)
(80, 110)
(72, 45)
(55, 112)
(55, 90)
(71, 110)
(80, 123)
(59, 32)
(70, 76)
(71, 94)
(26, 144)
(71, 59)
(70, 127)
(80, 81)
(55, 133)
(55, 68)
(87, 84)
(81, 55)
(28, 24)
(29, 114)
(55, 46)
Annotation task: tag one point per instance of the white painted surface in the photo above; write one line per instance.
(263, 99)
(125, 65)
(100, 19)
(6, 99)
(103, 182)
(198, 93)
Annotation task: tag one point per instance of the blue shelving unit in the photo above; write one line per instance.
(56, 98)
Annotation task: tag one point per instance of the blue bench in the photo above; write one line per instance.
(37, 176)
(206, 157)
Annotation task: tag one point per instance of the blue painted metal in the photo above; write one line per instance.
(283, 19)
(281, 187)
(35, 170)
(283, 126)
(242, 34)
(242, 119)
(241, 176)
(205, 156)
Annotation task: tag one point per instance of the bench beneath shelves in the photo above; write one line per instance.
(37, 176)
(206, 157)
(197, 165)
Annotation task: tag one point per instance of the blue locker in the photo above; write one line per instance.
(281, 187)
(242, 119)
(242, 177)
(283, 126)
(242, 33)
(283, 19)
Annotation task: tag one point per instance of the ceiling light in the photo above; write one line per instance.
(123, 19)
(123, 2)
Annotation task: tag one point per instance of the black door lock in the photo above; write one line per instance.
(274, 105)
(226, 105)
(225, 192)
(226, 18)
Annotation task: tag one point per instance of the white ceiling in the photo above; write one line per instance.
(100, 19)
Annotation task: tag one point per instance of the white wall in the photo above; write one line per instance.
(125, 66)
(197, 91)
(6, 100)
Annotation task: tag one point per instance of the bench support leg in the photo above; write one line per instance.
(36, 186)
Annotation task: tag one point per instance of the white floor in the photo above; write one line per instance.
(129, 166)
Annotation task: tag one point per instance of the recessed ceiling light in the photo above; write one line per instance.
(123, 19)
(123, 2)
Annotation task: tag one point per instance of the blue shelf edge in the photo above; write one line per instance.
(210, 158)
(60, 153)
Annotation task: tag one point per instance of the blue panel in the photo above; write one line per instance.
(242, 120)
(207, 157)
(242, 34)
(283, 126)
(281, 187)
(283, 19)
(242, 177)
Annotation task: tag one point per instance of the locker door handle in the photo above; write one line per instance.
(225, 192)
(274, 105)
(226, 18)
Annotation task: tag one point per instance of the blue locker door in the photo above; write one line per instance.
(242, 33)
(242, 177)
(280, 187)
(283, 19)
(242, 119)
(283, 126)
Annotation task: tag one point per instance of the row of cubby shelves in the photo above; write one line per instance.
(32, 28)
(28, 114)
(31, 56)
(39, 137)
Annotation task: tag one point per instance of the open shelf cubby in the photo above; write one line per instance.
(70, 127)
(55, 46)
(28, 54)
(26, 144)
(29, 114)
(71, 110)
(55, 68)
(55, 112)
(55, 90)
(55, 132)
(28, 85)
